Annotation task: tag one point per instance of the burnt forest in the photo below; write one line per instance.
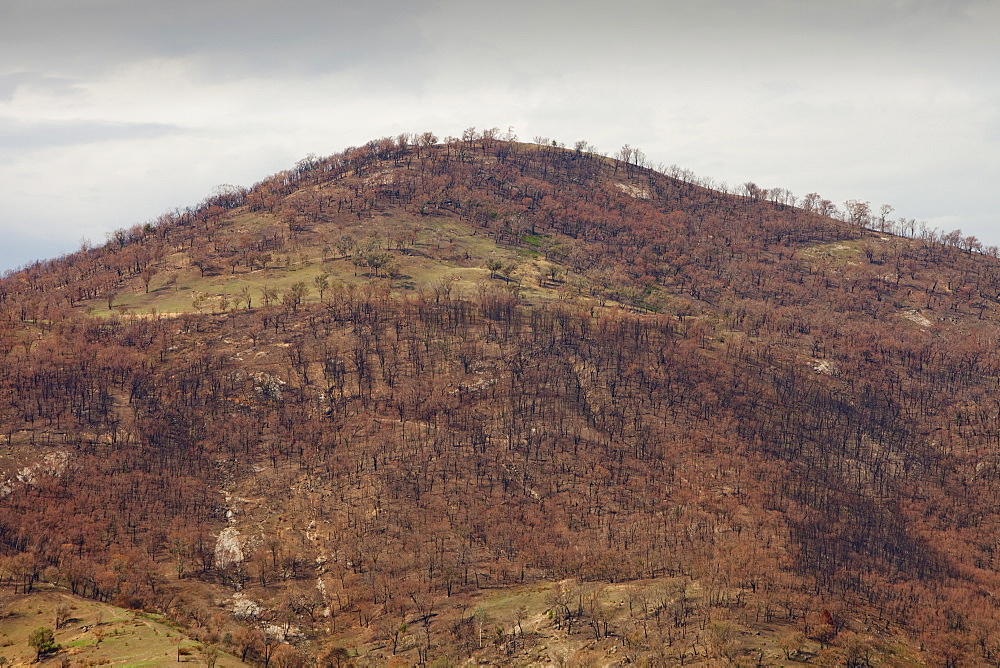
(480, 401)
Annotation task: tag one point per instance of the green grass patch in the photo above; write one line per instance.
(445, 249)
(97, 634)
(83, 642)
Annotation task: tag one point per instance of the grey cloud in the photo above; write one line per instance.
(22, 136)
(231, 38)
(11, 83)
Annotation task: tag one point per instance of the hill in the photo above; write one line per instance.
(427, 402)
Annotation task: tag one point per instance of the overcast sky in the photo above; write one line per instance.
(115, 111)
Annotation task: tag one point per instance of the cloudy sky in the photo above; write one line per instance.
(115, 111)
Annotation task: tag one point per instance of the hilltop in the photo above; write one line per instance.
(428, 401)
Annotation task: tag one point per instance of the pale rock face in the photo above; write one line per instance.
(634, 191)
(267, 385)
(824, 366)
(53, 463)
(281, 633)
(227, 548)
(246, 608)
(915, 316)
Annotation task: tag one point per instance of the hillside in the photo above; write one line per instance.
(421, 402)
(93, 633)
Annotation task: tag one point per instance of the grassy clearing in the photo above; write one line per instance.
(444, 250)
(519, 627)
(836, 253)
(93, 634)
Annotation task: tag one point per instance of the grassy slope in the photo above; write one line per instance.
(446, 250)
(127, 637)
(517, 629)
